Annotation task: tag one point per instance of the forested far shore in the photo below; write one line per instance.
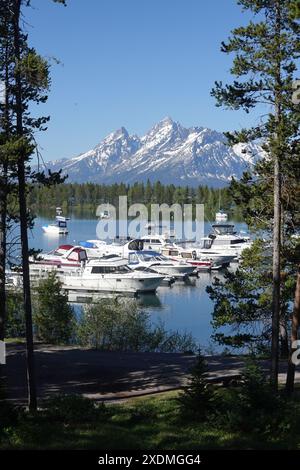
(86, 197)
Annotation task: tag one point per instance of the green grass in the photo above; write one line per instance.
(15, 340)
(144, 423)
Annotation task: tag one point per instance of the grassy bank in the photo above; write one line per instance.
(152, 423)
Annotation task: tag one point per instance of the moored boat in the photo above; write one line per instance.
(111, 274)
(65, 258)
(221, 216)
(159, 263)
(59, 227)
(189, 256)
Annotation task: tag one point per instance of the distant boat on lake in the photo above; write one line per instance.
(59, 227)
(221, 216)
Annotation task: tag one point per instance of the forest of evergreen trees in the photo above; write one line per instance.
(88, 196)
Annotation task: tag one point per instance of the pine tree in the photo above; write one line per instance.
(264, 64)
(4, 130)
(197, 397)
(26, 80)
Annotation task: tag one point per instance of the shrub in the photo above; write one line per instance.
(196, 400)
(143, 412)
(71, 409)
(15, 323)
(120, 326)
(252, 407)
(9, 416)
(53, 316)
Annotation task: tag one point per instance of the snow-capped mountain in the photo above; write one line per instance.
(169, 153)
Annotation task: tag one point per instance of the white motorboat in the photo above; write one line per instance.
(59, 227)
(157, 242)
(159, 263)
(189, 256)
(94, 248)
(205, 251)
(221, 216)
(65, 258)
(187, 251)
(111, 274)
(224, 241)
(118, 247)
(226, 237)
(104, 215)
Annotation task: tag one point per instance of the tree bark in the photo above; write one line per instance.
(290, 378)
(3, 207)
(32, 398)
(3, 201)
(276, 277)
(276, 292)
(284, 337)
(3, 216)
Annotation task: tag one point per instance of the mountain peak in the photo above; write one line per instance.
(169, 152)
(118, 134)
(164, 128)
(166, 120)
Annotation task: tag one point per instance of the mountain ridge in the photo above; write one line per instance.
(168, 152)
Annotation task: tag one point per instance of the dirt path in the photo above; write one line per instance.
(107, 375)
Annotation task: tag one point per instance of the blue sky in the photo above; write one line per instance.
(131, 63)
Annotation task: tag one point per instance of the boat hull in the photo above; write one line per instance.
(173, 270)
(112, 283)
(55, 230)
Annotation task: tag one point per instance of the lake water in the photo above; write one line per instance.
(181, 307)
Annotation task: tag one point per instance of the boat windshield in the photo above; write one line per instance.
(206, 243)
(145, 269)
(224, 229)
(149, 257)
(56, 253)
(110, 269)
(136, 245)
(186, 255)
(170, 252)
(160, 258)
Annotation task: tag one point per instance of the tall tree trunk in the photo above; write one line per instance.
(276, 277)
(290, 378)
(3, 210)
(32, 399)
(3, 201)
(3, 216)
(284, 337)
(2, 271)
(276, 294)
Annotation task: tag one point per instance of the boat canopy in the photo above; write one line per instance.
(87, 244)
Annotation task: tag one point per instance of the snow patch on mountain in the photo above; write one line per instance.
(169, 153)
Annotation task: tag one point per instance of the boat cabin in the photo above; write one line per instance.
(224, 229)
(109, 264)
(186, 255)
(156, 242)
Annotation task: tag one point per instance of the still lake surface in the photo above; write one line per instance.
(185, 308)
